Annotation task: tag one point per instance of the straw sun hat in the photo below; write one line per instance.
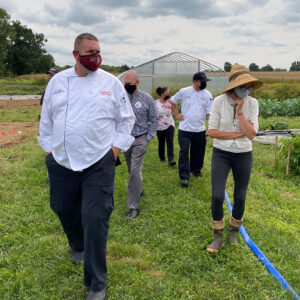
(239, 75)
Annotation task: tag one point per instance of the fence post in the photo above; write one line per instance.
(288, 158)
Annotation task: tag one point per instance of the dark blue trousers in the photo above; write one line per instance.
(83, 202)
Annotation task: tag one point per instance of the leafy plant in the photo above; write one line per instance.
(278, 90)
(274, 107)
(295, 152)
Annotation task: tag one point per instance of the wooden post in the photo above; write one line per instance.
(288, 158)
(276, 148)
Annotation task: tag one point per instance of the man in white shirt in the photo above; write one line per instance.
(196, 102)
(86, 120)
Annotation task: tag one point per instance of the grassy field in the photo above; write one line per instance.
(23, 85)
(159, 255)
(277, 76)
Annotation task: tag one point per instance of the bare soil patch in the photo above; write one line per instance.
(12, 133)
(6, 104)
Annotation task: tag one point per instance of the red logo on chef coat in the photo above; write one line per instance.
(105, 93)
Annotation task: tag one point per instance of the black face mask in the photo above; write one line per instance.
(130, 88)
(167, 97)
(203, 85)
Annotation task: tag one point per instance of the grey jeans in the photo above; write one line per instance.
(135, 158)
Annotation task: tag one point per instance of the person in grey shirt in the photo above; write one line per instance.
(143, 131)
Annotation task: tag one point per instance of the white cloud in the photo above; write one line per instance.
(134, 31)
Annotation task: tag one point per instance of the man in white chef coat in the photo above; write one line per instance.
(86, 120)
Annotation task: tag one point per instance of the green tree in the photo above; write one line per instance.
(124, 68)
(26, 53)
(115, 69)
(44, 63)
(253, 67)
(267, 68)
(227, 66)
(5, 32)
(295, 66)
(280, 70)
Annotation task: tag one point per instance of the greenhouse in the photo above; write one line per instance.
(175, 70)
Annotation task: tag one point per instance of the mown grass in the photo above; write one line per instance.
(19, 115)
(159, 255)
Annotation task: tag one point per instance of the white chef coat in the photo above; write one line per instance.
(83, 117)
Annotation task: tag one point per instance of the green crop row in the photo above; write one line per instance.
(274, 107)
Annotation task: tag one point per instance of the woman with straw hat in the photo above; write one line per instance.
(233, 123)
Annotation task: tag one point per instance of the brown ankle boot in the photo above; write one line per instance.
(218, 241)
(234, 226)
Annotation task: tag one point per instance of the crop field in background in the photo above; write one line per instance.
(277, 76)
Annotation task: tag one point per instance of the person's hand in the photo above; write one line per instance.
(239, 134)
(47, 153)
(238, 105)
(116, 151)
(251, 123)
(238, 102)
(180, 117)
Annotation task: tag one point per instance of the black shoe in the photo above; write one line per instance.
(162, 160)
(133, 213)
(77, 257)
(197, 175)
(96, 295)
(172, 163)
(184, 182)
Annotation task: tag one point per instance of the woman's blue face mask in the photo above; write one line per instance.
(242, 92)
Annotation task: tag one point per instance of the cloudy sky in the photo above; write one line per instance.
(135, 31)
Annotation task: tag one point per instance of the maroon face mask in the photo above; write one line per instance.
(91, 62)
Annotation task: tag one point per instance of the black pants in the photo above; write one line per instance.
(83, 202)
(193, 142)
(166, 136)
(240, 164)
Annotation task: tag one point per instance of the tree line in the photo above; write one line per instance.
(253, 67)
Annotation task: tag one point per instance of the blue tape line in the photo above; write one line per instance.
(261, 256)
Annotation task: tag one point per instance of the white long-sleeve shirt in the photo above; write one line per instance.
(223, 118)
(83, 117)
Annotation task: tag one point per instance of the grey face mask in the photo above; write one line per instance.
(242, 92)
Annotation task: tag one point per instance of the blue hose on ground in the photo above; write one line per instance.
(260, 255)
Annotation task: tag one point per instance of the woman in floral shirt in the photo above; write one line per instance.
(165, 131)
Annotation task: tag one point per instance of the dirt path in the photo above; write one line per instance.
(12, 133)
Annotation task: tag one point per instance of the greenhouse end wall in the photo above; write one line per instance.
(175, 70)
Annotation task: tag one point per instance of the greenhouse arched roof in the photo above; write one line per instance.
(182, 57)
